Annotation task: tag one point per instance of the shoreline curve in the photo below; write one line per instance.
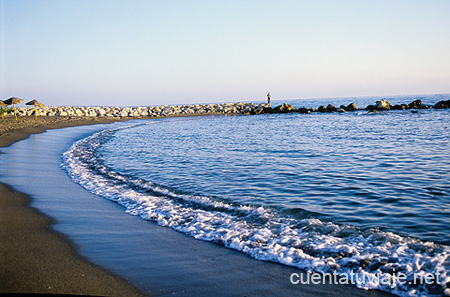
(37, 259)
(57, 268)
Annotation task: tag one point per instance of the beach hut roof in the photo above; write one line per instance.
(35, 103)
(13, 100)
(2, 103)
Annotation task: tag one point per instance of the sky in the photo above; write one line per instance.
(137, 53)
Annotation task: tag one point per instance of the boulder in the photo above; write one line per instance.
(284, 108)
(442, 104)
(304, 110)
(322, 109)
(246, 110)
(351, 107)
(101, 112)
(166, 111)
(123, 113)
(415, 104)
(331, 108)
(400, 106)
(262, 108)
(382, 105)
(267, 109)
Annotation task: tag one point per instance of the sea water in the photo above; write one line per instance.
(342, 192)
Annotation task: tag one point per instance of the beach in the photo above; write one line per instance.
(38, 259)
(291, 148)
(34, 258)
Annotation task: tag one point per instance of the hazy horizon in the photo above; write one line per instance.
(131, 53)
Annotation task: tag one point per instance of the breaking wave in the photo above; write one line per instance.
(266, 233)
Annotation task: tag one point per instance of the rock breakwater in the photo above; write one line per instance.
(209, 109)
(141, 112)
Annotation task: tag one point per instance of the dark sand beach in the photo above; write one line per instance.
(150, 260)
(35, 259)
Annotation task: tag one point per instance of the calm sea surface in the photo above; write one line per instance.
(353, 191)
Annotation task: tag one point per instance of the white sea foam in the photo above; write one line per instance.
(264, 233)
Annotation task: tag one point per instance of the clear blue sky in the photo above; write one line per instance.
(167, 52)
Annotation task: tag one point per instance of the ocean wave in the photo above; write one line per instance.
(267, 233)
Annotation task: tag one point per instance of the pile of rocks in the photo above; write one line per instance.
(384, 105)
(379, 105)
(342, 108)
(140, 112)
(287, 108)
(208, 109)
(416, 104)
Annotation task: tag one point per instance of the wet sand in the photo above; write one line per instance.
(157, 260)
(33, 257)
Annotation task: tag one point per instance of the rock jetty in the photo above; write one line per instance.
(141, 112)
(416, 104)
(209, 109)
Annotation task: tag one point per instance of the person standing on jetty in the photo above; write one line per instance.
(268, 98)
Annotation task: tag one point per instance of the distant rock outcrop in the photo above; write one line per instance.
(400, 106)
(304, 110)
(331, 108)
(351, 107)
(284, 108)
(322, 109)
(417, 104)
(382, 105)
(442, 104)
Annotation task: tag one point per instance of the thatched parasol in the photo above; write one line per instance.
(1, 107)
(36, 104)
(13, 101)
